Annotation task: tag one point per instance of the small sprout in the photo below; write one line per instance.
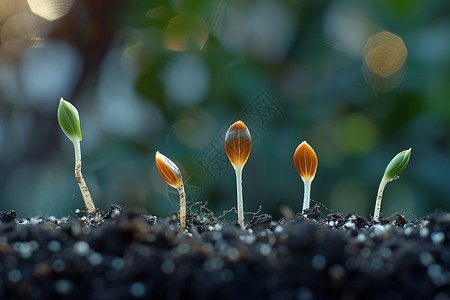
(69, 121)
(305, 160)
(238, 143)
(393, 170)
(171, 174)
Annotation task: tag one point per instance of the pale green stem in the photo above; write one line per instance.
(307, 193)
(89, 203)
(182, 207)
(240, 201)
(376, 213)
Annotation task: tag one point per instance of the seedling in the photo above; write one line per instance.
(171, 174)
(393, 170)
(69, 121)
(238, 143)
(305, 160)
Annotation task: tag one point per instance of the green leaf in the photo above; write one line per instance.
(69, 120)
(397, 164)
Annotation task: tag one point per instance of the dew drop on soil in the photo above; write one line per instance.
(435, 273)
(54, 246)
(117, 263)
(318, 262)
(63, 286)
(265, 250)
(424, 232)
(437, 237)
(95, 258)
(385, 252)
(376, 263)
(426, 258)
(81, 248)
(278, 229)
(168, 267)
(137, 289)
(14, 276)
(408, 231)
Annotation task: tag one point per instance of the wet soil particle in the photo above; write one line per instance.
(7, 216)
(133, 256)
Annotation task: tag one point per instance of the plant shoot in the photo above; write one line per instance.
(69, 121)
(238, 143)
(305, 160)
(393, 170)
(170, 172)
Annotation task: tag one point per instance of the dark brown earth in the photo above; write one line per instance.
(121, 255)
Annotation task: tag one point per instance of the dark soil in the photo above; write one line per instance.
(120, 255)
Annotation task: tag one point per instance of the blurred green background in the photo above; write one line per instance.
(173, 75)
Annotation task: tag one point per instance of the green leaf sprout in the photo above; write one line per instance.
(393, 170)
(69, 121)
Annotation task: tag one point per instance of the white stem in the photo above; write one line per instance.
(89, 203)
(182, 207)
(376, 213)
(240, 201)
(307, 193)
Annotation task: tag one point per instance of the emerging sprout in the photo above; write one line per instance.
(305, 160)
(172, 175)
(238, 144)
(69, 121)
(394, 168)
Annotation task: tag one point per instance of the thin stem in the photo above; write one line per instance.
(376, 213)
(182, 207)
(88, 202)
(240, 201)
(307, 193)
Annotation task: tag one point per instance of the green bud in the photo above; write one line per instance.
(397, 164)
(69, 120)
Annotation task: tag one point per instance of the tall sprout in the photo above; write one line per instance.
(305, 160)
(170, 172)
(238, 143)
(69, 121)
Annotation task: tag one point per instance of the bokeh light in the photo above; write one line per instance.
(384, 58)
(186, 80)
(187, 31)
(357, 133)
(50, 9)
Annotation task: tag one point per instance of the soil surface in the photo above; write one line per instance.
(117, 255)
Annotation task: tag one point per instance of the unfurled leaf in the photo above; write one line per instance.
(69, 120)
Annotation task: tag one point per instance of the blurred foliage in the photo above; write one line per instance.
(173, 75)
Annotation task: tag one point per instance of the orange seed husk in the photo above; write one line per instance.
(168, 170)
(238, 143)
(305, 160)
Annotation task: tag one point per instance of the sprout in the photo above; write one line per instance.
(305, 160)
(238, 143)
(172, 175)
(69, 121)
(393, 170)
